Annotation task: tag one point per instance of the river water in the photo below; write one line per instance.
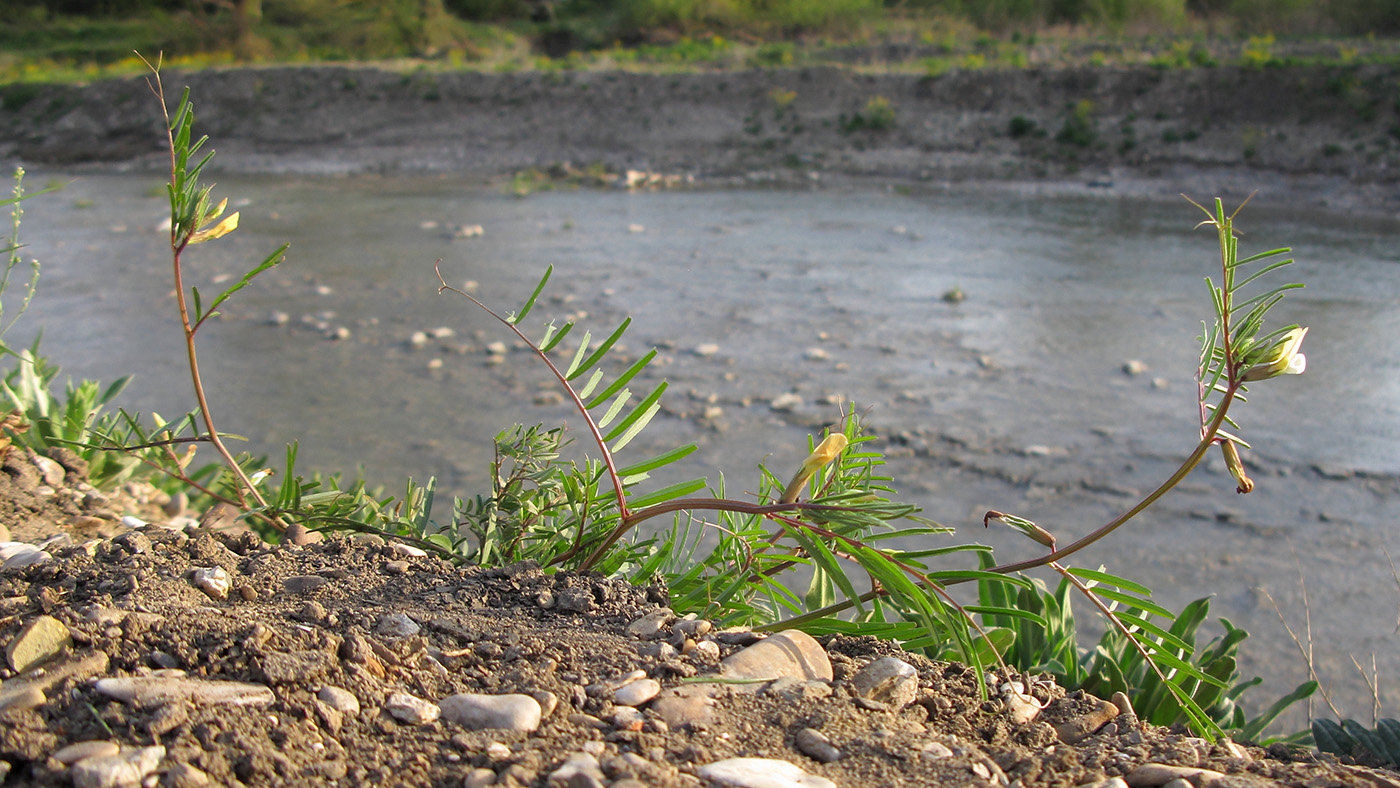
(1015, 398)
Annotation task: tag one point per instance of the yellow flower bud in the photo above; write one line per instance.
(1283, 358)
(1243, 483)
(827, 451)
(219, 230)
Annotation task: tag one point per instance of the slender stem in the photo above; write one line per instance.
(177, 246)
(563, 381)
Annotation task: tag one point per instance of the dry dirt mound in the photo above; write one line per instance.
(187, 657)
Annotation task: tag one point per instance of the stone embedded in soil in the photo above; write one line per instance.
(38, 642)
(18, 555)
(1098, 713)
(97, 748)
(124, 770)
(148, 691)
(887, 680)
(652, 624)
(637, 692)
(342, 700)
(1153, 775)
(687, 705)
(790, 653)
(397, 625)
(815, 745)
(212, 581)
(183, 775)
(577, 763)
(761, 773)
(477, 712)
(411, 710)
(1112, 782)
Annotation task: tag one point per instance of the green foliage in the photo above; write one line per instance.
(1114, 665)
(878, 115)
(1351, 738)
(1080, 128)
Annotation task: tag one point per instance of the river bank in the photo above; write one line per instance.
(1315, 136)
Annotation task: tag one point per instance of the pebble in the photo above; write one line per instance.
(408, 550)
(706, 350)
(1153, 775)
(123, 770)
(1134, 367)
(479, 778)
(627, 718)
(22, 698)
(761, 773)
(397, 625)
(212, 581)
(18, 555)
(935, 751)
(475, 712)
(694, 627)
(148, 691)
(1112, 782)
(86, 749)
(548, 701)
(815, 745)
(1086, 723)
(301, 536)
(786, 402)
(652, 624)
(577, 763)
(1021, 708)
(412, 710)
(302, 584)
(815, 354)
(637, 692)
(790, 653)
(342, 700)
(887, 680)
(183, 775)
(687, 705)
(52, 472)
(38, 642)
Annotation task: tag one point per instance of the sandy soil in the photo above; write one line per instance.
(374, 623)
(1323, 134)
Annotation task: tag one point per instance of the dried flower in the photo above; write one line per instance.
(1243, 483)
(827, 451)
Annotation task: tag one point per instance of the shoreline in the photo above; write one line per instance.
(1307, 136)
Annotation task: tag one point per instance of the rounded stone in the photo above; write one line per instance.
(887, 680)
(637, 692)
(479, 712)
(342, 700)
(790, 653)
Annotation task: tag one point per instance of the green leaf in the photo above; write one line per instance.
(552, 339)
(642, 413)
(664, 494)
(602, 350)
(637, 426)
(618, 404)
(1330, 737)
(592, 383)
(272, 260)
(1257, 725)
(569, 374)
(622, 380)
(1112, 580)
(1145, 605)
(826, 560)
(530, 302)
(659, 460)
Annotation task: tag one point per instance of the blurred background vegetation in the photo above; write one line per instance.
(92, 37)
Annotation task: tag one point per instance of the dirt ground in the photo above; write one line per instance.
(1327, 136)
(313, 647)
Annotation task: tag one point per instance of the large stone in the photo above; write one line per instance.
(761, 773)
(38, 642)
(791, 653)
(477, 712)
(148, 691)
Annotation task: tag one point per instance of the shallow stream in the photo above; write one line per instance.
(1014, 399)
